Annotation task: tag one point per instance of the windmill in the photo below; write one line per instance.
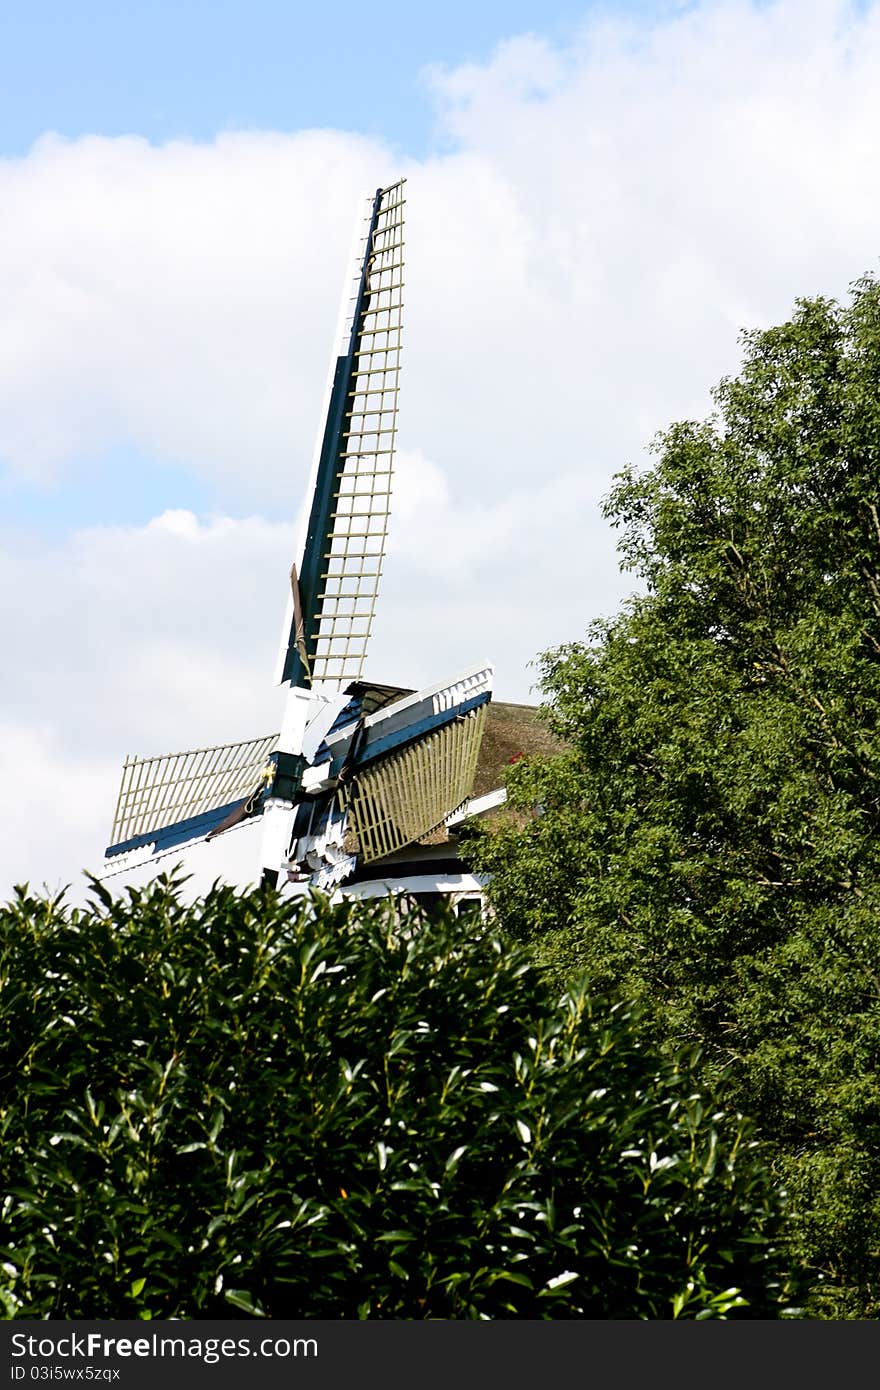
(359, 772)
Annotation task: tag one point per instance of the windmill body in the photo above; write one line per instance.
(359, 773)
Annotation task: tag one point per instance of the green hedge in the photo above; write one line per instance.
(256, 1107)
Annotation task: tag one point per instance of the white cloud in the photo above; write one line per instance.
(60, 807)
(578, 267)
(175, 297)
(147, 638)
(52, 827)
(489, 579)
(139, 640)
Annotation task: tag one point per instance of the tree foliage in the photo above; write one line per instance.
(254, 1106)
(710, 843)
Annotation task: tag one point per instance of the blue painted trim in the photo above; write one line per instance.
(170, 835)
(380, 746)
(347, 716)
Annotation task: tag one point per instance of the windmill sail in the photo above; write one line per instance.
(168, 800)
(413, 792)
(337, 578)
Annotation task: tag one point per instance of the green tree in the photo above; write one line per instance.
(710, 843)
(255, 1106)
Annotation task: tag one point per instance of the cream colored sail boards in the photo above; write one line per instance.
(351, 562)
(160, 792)
(410, 793)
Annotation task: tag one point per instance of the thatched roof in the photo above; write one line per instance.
(512, 732)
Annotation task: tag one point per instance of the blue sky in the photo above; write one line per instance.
(189, 68)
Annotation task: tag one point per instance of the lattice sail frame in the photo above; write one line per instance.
(342, 544)
(162, 791)
(410, 793)
(352, 561)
